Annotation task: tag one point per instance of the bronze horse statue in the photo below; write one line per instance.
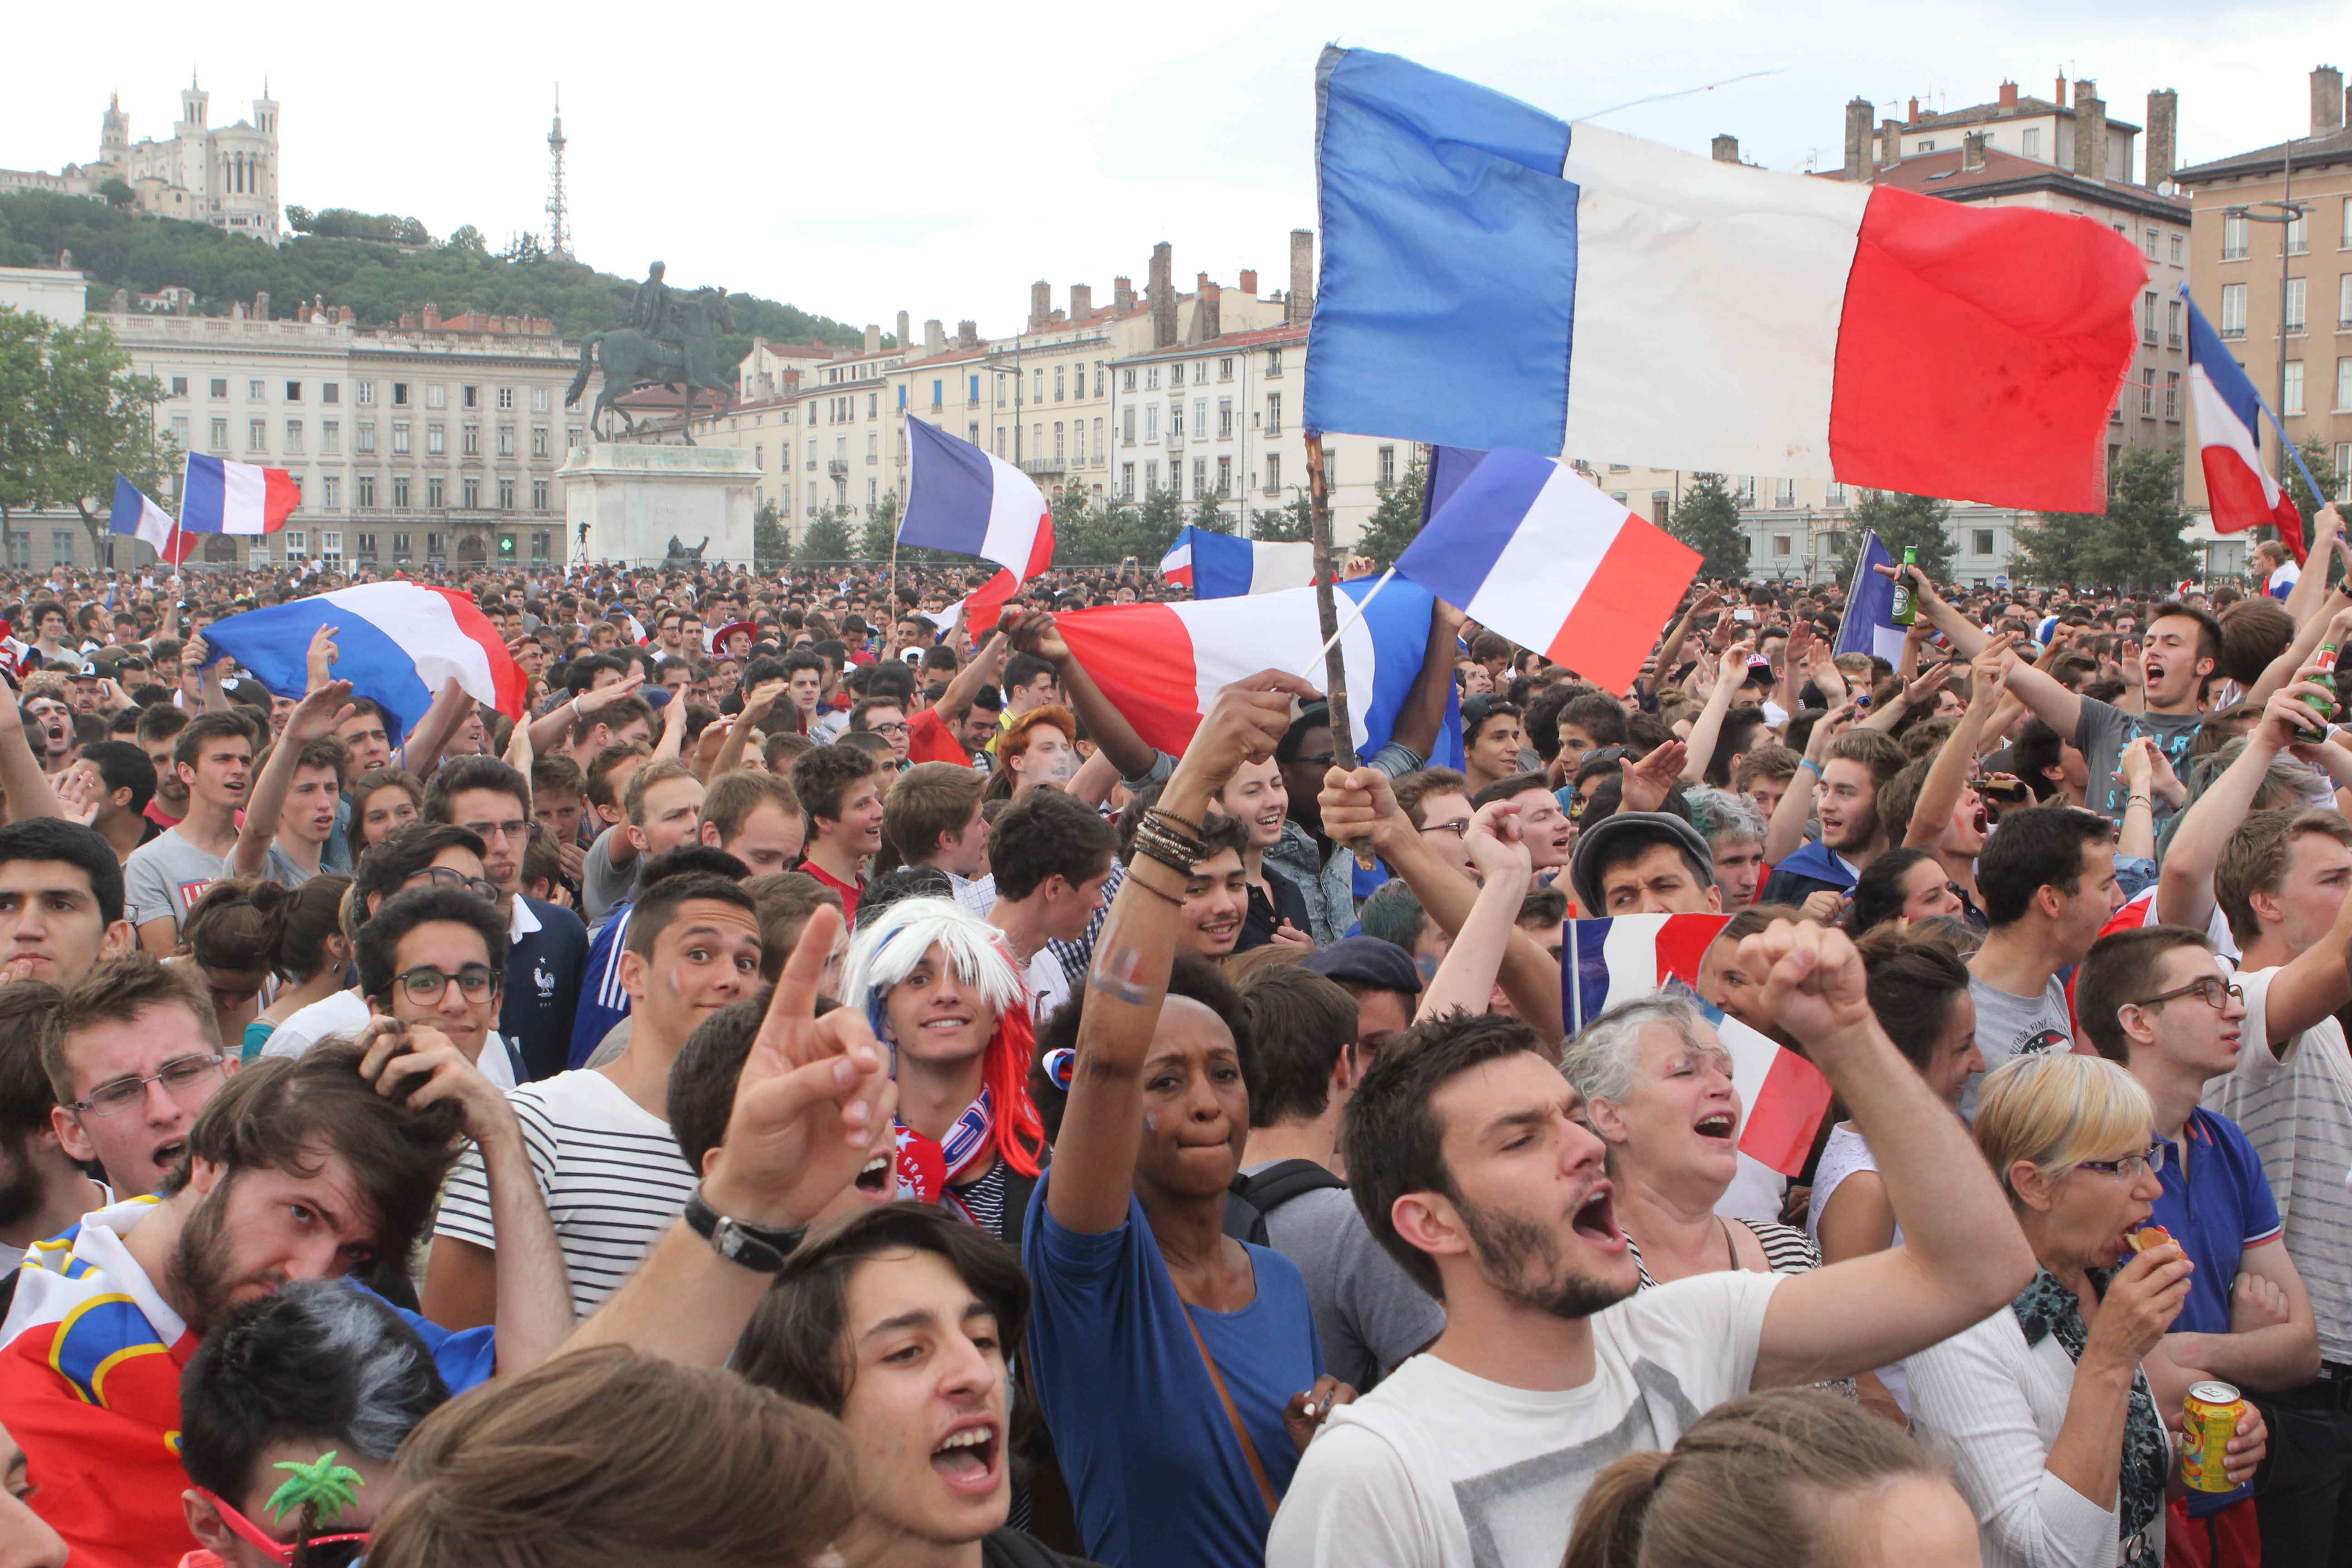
(632, 358)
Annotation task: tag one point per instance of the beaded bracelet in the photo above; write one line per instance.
(1146, 848)
(1171, 817)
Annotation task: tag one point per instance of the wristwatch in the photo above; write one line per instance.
(759, 1248)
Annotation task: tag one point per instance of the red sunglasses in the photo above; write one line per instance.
(325, 1550)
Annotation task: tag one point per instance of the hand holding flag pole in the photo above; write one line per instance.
(1335, 664)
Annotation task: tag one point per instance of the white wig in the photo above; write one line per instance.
(886, 951)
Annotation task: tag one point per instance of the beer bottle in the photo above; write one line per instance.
(1907, 601)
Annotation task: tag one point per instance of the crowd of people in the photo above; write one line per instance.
(818, 1086)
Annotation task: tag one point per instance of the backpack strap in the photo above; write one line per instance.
(1279, 1183)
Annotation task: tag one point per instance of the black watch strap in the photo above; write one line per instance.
(761, 1248)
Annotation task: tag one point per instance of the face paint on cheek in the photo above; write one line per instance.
(1151, 1122)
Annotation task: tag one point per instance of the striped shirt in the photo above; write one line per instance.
(2295, 1108)
(610, 1170)
(1786, 1248)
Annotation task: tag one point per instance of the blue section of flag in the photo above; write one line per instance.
(1456, 550)
(1869, 600)
(1222, 565)
(1584, 974)
(203, 499)
(2209, 354)
(1447, 301)
(1399, 621)
(129, 506)
(273, 644)
(950, 494)
(1448, 467)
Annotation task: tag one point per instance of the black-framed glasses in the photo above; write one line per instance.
(1459, 828)
(2131, 1167)
(424, 985)
(450, 877)
(2214, 991)
(176, 1077)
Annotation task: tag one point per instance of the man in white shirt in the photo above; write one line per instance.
(1470, 1165)
(1051, 854)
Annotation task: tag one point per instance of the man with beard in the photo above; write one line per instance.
(1859, 763)
(1468, 1159)
(306, 1169)
(42, 1189)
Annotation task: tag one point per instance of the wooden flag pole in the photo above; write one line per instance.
(1327, 610)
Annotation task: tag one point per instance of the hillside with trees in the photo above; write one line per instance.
(378, 264)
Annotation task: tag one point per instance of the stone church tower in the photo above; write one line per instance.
(225, 177)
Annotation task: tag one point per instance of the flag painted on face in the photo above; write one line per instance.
(1219, 566)
(964, 498)
(1163, 665)
(137, 516)
(1531, 548)
(1609, 962)
(1494, 276)
(396, 642)
(2228, 412)
(1869, 624)
(218, 496)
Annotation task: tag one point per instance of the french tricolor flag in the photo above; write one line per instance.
(2229, 410)
(1162, 665)
(221, 497)
(1529, 547)
(1494, 276)
(964, 498)
(396, 642)
(137, 516)
(1218, 566)
(1783, 1096)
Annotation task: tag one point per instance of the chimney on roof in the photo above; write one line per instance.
(1082, 301)
(2163, 129)
(905, 322)
(345, 316)
(1122, 295)
(1040, 304)
(967, 334)
(2090, 131)
(1890, 143)
(935, 338)
(431, 320)
(1857, 138)
(2058, 97)
(873, 337)
(2008, 95)
(1301, 308)
(1727, 149)
(1972, 150)
(1208, 320)
(1914, 117)
(1162, 290)
(2326, 100)
(1249, 281)
(407, 321)
(261, 306)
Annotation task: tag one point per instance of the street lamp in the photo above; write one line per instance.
(2286, 211)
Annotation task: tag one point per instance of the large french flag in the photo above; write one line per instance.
(2229, 410)
(221, 497)
(1494, 277)
(1529, 547)
(1783, 1096)
(1163, 665)
(964, 498)
(1219, 566)
(396, 642)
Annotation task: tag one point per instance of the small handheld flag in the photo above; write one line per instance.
(1869, 624)
(2238, 485)
(1219, 566)
(136, 516)
(964, 498)
(218, 496)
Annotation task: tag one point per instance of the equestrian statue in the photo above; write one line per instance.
(672, 339)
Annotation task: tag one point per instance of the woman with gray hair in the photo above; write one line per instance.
(1658, 1091)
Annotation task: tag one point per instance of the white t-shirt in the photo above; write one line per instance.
(2297, 1112)
(1049, 984)
(610, 1170)
(1437, 1469)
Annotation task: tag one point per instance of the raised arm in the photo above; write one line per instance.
(1939, 791)
(2303, 601)
(1102, 1126)
(672, 739)
(982, 668)
(1966, 637)
(2048, 698)
(2313, 985)
(1032, 631)
(1668, 651)
(1466, 980)
(1963, 1256)
(420, 753)
(2184, 885)
(25, 787)
(1731, 670)
(1423, 713)
(314, 718)
(551, 729)
(2332, 624)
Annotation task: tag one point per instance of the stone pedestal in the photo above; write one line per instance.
(624, 502)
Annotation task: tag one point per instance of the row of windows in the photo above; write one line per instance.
(1201, 370)
(2237, 232)
(2298, 302)
(330, 545)
(363, 439)
(331, 393)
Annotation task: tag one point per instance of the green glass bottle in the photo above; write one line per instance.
(1907, 602)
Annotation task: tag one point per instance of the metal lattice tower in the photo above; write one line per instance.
(559, 215)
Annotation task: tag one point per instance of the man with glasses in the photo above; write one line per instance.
(2155, 999)
(131, 1080)
(885, 717)
(547, 945)
(1437, 802)
(429, 956)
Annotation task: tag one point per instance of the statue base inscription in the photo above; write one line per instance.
(651, 505)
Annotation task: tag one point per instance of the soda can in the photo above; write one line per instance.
(2207, 1421)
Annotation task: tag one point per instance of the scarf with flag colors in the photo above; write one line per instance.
(1623, 958)
(1494, 276)
(1219, 566)
(964, 498)
(218, 496)
(2228, 412)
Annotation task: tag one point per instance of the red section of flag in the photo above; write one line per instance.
(1787, 1113)
(2235, 493)
(1041, 548)
(279, 498)
(506, 676)
(1615, 622)
(986, 606)
(1980, 350)
(1141, 656)
(1683, 941)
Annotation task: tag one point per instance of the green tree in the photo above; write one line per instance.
(2323, 468)
(1706, 518)
(827, 539)
(1899, 521)
(771, 544)
(116, 192)
(2135, 545)
(881, 529)
(1153, 531)
(2058, 549)
(1396, 522)
(100, 421)
(466, 237)
(24, 436)
(299, 219)
(1211, 517)
(523, 249)
(1291, 522)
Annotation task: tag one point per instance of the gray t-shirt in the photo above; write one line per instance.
(168, 873)
(1368, 1314)
(2101, 735)
(605, 886)
(2009, 1025)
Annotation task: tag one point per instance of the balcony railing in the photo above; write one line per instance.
(837, 466)
(1041, 466)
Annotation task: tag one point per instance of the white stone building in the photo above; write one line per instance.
(226, 176)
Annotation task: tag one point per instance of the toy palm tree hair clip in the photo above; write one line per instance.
(321, 1492)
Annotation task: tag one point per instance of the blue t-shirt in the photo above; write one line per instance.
(1156, 1475)
(605, 1002)
(2219, 1208)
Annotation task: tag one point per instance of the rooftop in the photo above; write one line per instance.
(1939, 174)
(2336, 147)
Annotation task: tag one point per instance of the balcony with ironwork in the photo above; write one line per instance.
(1041, 466)
(837, 467)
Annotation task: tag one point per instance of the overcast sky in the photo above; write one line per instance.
(858, 160)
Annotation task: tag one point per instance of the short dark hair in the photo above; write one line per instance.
(1045, 832)
(1878, 892)
(2121, 968)
(1301, 1024)
(2037, 749)
(1391, 1137)
(473, 773)
(2040, 847)
(1508, 788)
(669, 885)
(556, 774)
(702, 1077)
(314, 1361)
(823, 774)
(1596, 713)
(1024, 669)
(2210, 636)
(379, 939)
(384, 869)
(794, 1342)
(1478, 710)
(160, 721)
(204, 727)
(122, 765)
(72, 844)
(26, 1092)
